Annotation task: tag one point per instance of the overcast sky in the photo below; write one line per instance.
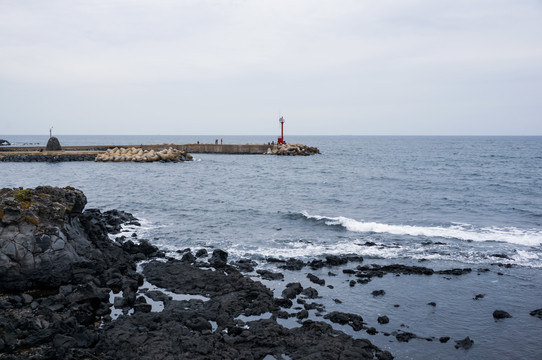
(360, 67)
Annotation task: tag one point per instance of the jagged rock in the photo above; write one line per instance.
(405, 336)
(537, 313)
(466, 343)
(292, 290)
(383, 319)
(285, 303)
(245, 265)
(354, 320)
(36, 248)
(293, 264)
(384, 355)
(201, 253)
(4, 142)
(316, 264)
(188, 257)
(219, 258)
(334, 260)
(501, 314)
(303, 314)
(315, 279)
(310, 293)
(455, 271)
(268, 275)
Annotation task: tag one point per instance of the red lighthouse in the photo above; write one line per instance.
(281, 138)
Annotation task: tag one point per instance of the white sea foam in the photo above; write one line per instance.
(142, 231)
(528, 237)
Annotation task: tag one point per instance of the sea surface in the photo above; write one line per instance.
(438, 202)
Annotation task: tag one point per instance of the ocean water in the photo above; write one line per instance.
(439, 202)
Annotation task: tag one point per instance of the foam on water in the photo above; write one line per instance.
(297, 250)
(527, 237)
(444, 252)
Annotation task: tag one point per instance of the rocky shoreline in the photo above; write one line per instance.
(62, 276)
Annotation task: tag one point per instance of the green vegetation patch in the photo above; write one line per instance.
(24, 196)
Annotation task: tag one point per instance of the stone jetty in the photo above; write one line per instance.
(145, 153)
(141, 155)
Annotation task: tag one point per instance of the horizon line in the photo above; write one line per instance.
(274, 135)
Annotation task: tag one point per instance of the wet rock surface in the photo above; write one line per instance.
(537, 313)
(501, 314)
(61, 275)
(466, 343)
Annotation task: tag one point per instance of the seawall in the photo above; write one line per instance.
(90, 153)
(189, 148)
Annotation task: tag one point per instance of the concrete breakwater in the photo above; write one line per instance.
(146, 153)
(189, 148)
(292, 150)
(46, 158)
(141, 155)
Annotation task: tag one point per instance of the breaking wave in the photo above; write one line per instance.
(531, 237)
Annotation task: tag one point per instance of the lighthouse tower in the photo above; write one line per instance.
(281, 138)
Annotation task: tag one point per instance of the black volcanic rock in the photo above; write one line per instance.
(501, 314)
(315, 279)
(405, 336)
(354, 320)
(292, 290)
(383, 319)
(537, 313)
(37, 240)
(219, 258)
(55, 295)
(61, 273)
(268, 275)
(293, 264)
(201, 253)
(466, 343)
